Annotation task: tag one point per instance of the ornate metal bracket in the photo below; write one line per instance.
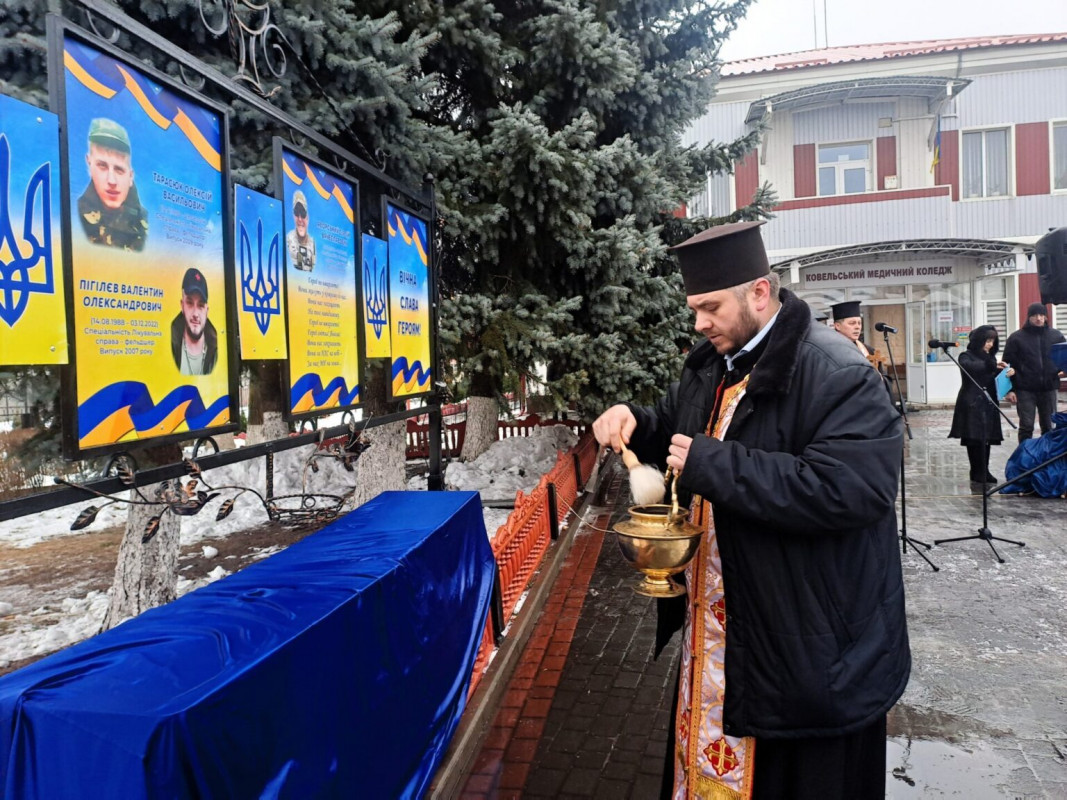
(253, 40)
(189, 498)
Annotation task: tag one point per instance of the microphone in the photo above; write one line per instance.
(934, 344)
(881, 327)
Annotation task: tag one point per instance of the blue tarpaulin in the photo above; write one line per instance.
(336, 668)
(1050, 481)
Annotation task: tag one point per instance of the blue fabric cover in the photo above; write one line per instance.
(1050, 481)
(336, 668)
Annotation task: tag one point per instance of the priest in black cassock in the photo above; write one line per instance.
(794, 642)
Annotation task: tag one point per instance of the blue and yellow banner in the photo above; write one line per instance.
(260, 289)
(409, 303)
(33, 315)
(147, 257)
(321, 289)
(375, 297)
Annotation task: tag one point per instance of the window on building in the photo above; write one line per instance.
(1059, 318)
(994, 300)
(948, 312)
(986, 163)
(1059, 155)
(844, 168)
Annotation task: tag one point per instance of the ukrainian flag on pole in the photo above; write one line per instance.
(937, 146)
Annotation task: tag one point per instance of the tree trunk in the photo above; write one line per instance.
(265, 403)
(381, 468)
(482, 416)
(146, 575)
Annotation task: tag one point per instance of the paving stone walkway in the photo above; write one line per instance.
(586, 711)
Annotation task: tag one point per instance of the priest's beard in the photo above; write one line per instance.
(747, 327)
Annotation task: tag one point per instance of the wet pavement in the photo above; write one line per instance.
(581, 709)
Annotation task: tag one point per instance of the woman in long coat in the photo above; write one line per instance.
(976, 421)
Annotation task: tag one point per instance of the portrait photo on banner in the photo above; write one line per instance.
(259, 241)
(33, 320)
(320, 208)
(410, 292)
(145, 182)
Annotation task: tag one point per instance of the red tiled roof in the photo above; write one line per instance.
(874, 52)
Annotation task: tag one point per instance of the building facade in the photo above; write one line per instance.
(914, 177)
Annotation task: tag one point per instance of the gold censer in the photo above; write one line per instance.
(659, 542)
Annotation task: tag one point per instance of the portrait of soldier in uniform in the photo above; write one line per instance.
(301, 244)
(109, 209)
(194, 340)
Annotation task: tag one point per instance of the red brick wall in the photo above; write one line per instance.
(947, 171)
(804, 170)
(886, 155)
(1029, 292)
(746, 178)
(1031, 158)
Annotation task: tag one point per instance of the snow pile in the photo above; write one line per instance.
(291, 474)
(511, 464)
(45, 630)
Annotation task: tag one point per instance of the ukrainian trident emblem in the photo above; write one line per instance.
(19, 258)
(260, 283)
(375, 294)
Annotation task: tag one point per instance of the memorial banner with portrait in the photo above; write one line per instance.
(375, 297)
(320, 207)
(409, 303)
(146, 184)
(258, 241)
(33, 320)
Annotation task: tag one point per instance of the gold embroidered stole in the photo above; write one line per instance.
(708, 764)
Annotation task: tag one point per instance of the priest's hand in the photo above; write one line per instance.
(679, 451)
(615, 426)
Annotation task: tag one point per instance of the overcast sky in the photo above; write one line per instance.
(773, 27)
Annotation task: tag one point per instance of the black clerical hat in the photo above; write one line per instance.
(845, 310)
(721, 257)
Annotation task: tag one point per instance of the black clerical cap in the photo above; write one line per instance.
(721, 257)
(850, 308)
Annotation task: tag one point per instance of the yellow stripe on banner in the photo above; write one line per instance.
(403, 231)
(221, 419)
(422, 253)
(202, 145)
(143, 101)
(110, 429)
(344, 203)
(173, 420)
(398, 384)
(315, 182)
(305, 403)
(85, 79)
(391, 231)
(290, 174)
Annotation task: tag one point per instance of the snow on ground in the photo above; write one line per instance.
(507, 466)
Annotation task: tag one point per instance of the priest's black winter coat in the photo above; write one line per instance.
(803, 491)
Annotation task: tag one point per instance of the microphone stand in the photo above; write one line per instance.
(905, 540)
(983, 532)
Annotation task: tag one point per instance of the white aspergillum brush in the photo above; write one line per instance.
(646, 482)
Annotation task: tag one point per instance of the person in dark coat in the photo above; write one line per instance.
(789, 451)
(976, 421)
(1036, 379)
